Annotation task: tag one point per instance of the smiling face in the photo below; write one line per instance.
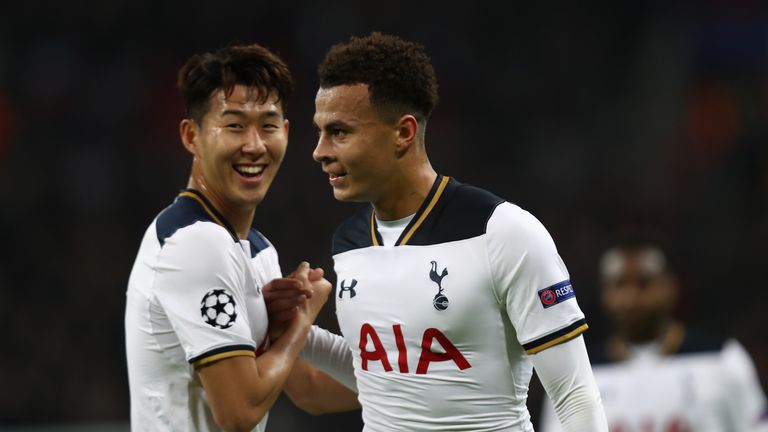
(356, 147)
(237, 149)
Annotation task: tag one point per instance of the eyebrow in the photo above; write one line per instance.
(239, 113)
(333, 125)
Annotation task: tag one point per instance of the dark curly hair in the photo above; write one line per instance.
(251, 65)
(399, 74)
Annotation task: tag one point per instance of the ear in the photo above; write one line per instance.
(189, 131)
(286, 125)
(407, 129)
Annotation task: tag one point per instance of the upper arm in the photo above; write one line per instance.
(230, 385)
(197, 277)
(530, 280)
(199, 284)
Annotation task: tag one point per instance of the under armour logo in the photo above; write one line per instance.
(350, 288)
(440, 301)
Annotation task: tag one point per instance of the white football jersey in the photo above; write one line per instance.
(442, 322)
(194, 296)
(701, 385)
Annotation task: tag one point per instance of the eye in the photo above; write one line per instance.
(340, 133)
(234, 126)
(271, 127)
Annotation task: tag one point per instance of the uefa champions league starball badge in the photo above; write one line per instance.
(218, 309)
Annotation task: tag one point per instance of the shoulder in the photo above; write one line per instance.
(460, 212)
(258, 242)
(355, 232)
(509, 220)
(696, 342)
(184, 214)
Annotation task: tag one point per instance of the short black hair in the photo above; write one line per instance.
(399, 74)
(251, 65)
(636, 239)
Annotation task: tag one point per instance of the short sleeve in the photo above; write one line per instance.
(745, 398)
(531, 281)
(199, 284)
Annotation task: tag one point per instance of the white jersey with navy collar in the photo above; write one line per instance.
(194, 296)
(441, 324)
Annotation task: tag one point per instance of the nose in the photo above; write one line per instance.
(254, 144)
(322, 152)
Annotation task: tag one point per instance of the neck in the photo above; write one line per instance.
(406, 194)
(241, 218)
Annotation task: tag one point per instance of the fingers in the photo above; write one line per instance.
(285, 287)
(302, 271)
(276, 307)
(316, 274)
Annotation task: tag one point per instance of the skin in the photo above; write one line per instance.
(237, 131)
(242, 132)
(638, 299)
(368, 158)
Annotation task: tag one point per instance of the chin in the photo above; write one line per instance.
(251, 199)
(345, 195)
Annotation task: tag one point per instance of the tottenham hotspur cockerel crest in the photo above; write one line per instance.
(440, 301)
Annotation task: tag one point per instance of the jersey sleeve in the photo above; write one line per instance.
(745, 398)
(531, 281)
(199, 284)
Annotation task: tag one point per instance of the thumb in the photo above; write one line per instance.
(302, 271)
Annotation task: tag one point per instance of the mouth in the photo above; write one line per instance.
(250, 171)
(334, 178)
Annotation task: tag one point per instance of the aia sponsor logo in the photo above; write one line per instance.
(557, 293)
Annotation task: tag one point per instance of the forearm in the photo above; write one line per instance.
(317, 393)
(274, 366)
(241, 390)
(566, 375)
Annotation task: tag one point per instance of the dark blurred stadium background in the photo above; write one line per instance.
(593, 117)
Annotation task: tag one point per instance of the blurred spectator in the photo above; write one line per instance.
(654, 372)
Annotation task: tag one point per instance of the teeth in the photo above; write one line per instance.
(250, 169)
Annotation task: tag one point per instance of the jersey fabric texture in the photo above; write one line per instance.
(194, 296)
(683, 382)
(442, 322)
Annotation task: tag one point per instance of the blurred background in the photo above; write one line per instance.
(593, 117)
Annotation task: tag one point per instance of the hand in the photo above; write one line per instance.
(283, 296)
(320, 288)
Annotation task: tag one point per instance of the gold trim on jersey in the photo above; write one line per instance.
(374, 241)
(564, 338)
(205, 206)
(419, 221)
(424, 214)
(221, 356)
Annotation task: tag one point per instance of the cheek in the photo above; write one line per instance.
(277, 150)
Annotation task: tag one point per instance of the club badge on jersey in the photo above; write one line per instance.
(440, 301)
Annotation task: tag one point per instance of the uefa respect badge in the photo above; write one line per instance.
(557, 293)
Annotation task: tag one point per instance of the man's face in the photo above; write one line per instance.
(637, 293)
(356, 147)
(239, 147)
